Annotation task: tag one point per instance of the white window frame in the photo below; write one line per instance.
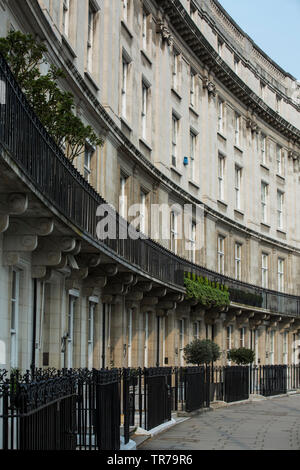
(143, 219)
(221, 254)
(192, 88)
(145, 32)
(280, 274)
(265, 270)
(174, 231)
(280, 204)
(175, 69)
(14, 319)
(264, 201)
(221, 176)
(66, 17)
(181, 341)
(193, 143)
(221, 107)
(263, 148)
(91, 333)
(279, 160)
(89, 151)
(237, 120)
(242, 337)
(272, 347)
(196, 330)
(192, 241)
(130, 337)
(126, 10)
(229, 331)
(175, 129)
(285, 350)
(238, 261)
(90, 38)
(124, 87)
(238, 180)
(70, 337)
(122, 197)
(236, 65)
(220, 47)
(144, 114)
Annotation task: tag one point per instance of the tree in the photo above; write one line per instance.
(241, 356)
(53, 106)
(201, 352)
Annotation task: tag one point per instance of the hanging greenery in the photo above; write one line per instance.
(208, 293)
(54, 107)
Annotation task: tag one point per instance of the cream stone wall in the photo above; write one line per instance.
(152, 171)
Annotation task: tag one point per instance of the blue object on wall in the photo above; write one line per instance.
(185, 161)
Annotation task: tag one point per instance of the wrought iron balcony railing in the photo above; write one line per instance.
(44, 165)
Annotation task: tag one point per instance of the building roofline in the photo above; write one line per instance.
(266, 56)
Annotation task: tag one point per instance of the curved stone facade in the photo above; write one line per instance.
(192, 113)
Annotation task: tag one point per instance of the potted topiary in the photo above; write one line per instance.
(241, 356)
(203, 351)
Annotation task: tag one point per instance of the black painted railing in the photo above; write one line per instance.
(43, 163)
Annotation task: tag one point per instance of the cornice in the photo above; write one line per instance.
(183, 24)
(261, 55)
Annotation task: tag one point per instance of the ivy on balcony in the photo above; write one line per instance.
(208, 293)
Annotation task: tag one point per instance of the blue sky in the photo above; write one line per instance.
(274, 25)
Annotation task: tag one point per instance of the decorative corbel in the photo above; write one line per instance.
(209, 86)
(164, 31)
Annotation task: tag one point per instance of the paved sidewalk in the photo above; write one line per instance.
(272, 424)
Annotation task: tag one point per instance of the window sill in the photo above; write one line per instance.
(126, 27)
(223, 203)
(91, 80)
(221, 135)
(192, 109)
(146, 56)
(238, 148)
(144, 142)
(281, 177)
(176, 93)
(265, 225)
(66, 42)
(126, 123)
(264, 166)
(281, 231)
(193, 183)
(173, 168)
(239, 212)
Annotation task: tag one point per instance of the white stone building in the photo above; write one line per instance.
(192, 112)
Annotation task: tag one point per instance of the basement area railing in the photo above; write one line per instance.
(97, 410)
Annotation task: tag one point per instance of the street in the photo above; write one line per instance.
(272, 424)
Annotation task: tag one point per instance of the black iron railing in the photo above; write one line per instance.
(43, 163)
(95, 410)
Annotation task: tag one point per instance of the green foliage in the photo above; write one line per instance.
(201, 352)
(241, 356)
(204, 291)
(54, 107)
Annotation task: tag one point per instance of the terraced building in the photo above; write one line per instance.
(193, 114)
